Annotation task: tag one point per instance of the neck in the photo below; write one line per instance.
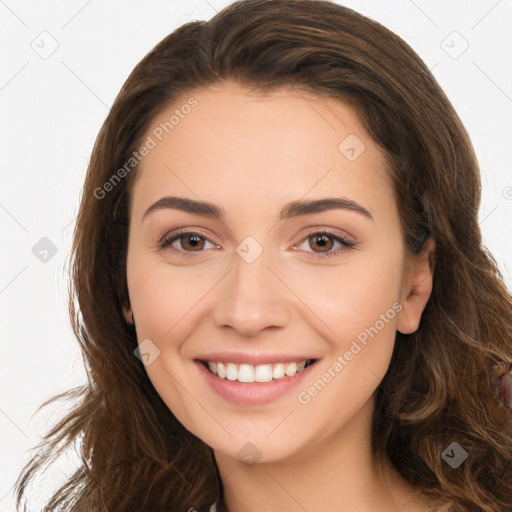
(334, 473)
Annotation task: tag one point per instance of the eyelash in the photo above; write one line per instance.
(172, 237)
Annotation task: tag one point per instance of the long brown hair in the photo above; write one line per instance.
(439, 387)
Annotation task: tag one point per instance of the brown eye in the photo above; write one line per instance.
(322, 244)
(322, 241)
(191, 241)
(185, 242)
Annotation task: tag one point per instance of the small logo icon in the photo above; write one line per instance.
(147, 352)
(249, 249)
(44, 250)
(249, 454)
(454, 45)
(351, 147)
(455, 455)
(45, 45)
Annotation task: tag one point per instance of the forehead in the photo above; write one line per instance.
(243, 144)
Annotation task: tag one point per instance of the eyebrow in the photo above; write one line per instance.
(290, 210)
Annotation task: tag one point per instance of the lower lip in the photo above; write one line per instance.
(252, 393)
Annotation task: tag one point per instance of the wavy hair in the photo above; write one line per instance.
(439, 388)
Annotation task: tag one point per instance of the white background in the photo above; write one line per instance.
(52, 109)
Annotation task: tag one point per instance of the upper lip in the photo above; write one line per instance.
(253, 359)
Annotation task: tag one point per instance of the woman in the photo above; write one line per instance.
(282, 295)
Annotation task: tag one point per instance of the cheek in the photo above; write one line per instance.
(358, 306)
(361, 316)
(350, 298)
(162, 297)
(163, 302)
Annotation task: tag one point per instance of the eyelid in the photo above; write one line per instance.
(343, 240)
(333, 232)
(171, 237)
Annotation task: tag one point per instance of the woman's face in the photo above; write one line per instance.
(264, 188)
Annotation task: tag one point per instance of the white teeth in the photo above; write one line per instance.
(232, 372)
(260, 373)
(290, 369)
(246, 373)
(278, 371)
(221, 370)
(263, 373)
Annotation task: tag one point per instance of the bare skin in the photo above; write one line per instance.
(251, 154)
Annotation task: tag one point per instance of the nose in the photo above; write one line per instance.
(253, 298)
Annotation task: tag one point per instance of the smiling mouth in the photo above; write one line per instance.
(247, 373)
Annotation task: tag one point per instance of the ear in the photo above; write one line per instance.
(416, 288)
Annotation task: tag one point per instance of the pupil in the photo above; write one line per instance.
(321, 240)
(193, 240)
